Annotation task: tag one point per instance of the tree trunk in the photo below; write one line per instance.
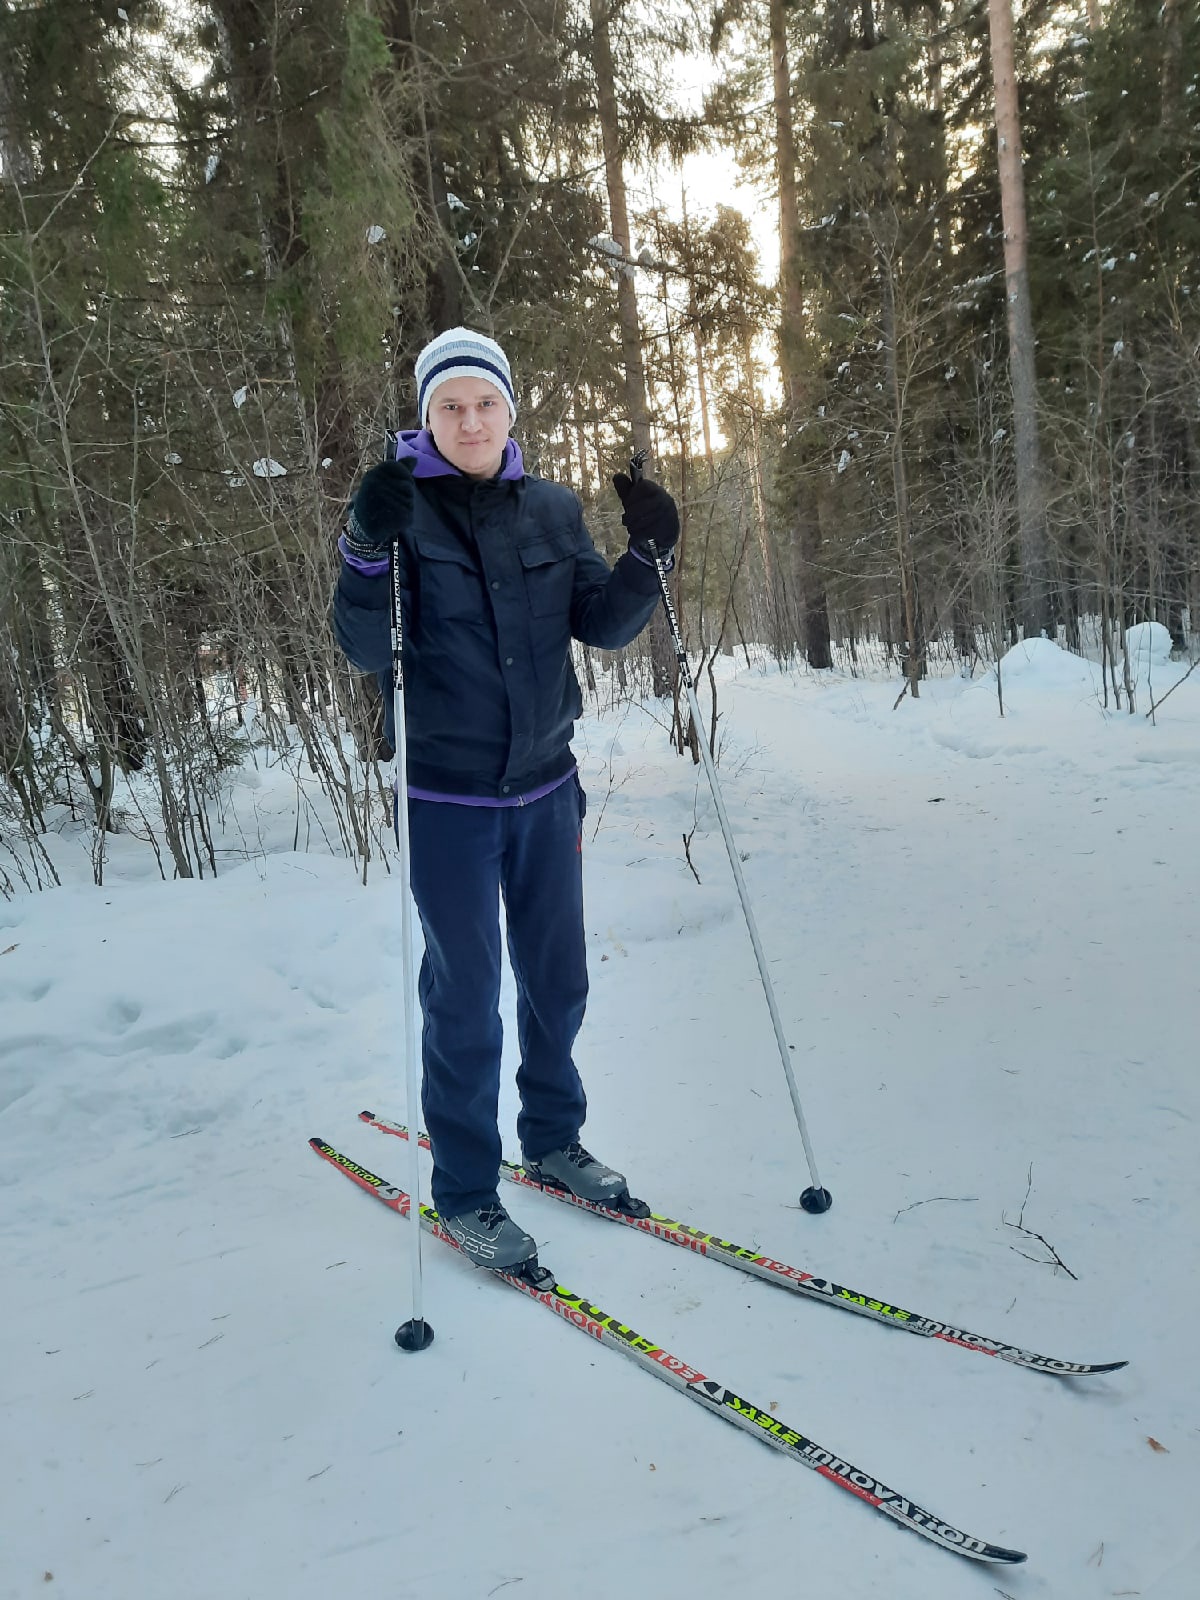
(244, 30)
(662, 659)
(16, 161)
(705, 424)
(1036, 614)
(914, 649)
(614, 177)
(445, 295)
(806, 531)
(1172, 60)
(701, 367)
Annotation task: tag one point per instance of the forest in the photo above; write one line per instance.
(967, 412)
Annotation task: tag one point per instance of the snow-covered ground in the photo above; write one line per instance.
(983, 937)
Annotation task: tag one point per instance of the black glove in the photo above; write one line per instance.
(381, 509)
(650, 514)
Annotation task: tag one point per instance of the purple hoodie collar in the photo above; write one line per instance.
(417, 445)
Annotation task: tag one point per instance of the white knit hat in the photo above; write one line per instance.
(461, 353)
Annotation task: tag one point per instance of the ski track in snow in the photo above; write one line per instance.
(983, 941)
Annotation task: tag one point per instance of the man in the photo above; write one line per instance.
(498, 575)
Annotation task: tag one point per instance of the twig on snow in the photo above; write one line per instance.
(953, 1199)
(687, 850)
(1030, 1233)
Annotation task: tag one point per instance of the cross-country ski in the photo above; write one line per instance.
(759, 1265)
(707, 1392)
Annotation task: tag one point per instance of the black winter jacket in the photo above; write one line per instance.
(497, 578)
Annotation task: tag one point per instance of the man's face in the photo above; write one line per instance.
(468, 418)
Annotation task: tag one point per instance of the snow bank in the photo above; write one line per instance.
(1041, 669)
(1149, 645)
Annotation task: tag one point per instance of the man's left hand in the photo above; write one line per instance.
(650, 515)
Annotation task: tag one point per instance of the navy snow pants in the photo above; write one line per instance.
(464, 858)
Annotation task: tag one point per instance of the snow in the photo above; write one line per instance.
(240, 396)
(268, 467)
(376, 234)
(981, 933)
(1149, 644)
(618, 262)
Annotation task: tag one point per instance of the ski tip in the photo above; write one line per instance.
(1093, 1368)
(998, 1554)
(366, 1116)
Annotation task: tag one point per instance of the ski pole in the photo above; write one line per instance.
(815, 1199)
(416, 1333)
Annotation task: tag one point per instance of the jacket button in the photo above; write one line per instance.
(504, 788)
(508, 661)
(495, 583)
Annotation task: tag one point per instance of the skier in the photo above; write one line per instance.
(498, 574)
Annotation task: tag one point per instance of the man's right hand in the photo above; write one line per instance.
(382, 510)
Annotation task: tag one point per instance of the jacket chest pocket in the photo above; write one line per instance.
(549, 571)
(451, 586)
